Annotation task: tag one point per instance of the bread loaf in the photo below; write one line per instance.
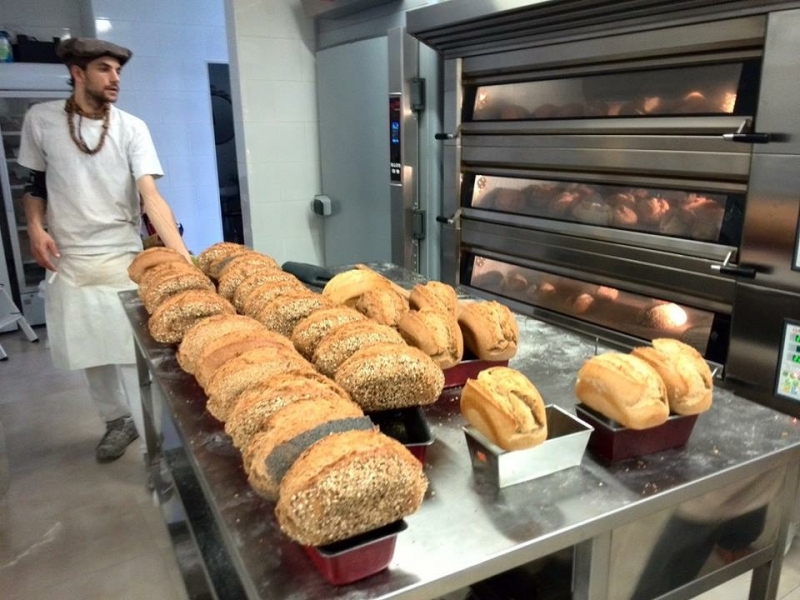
(206, 331)
(341, 343)
(248, 371)
(289, 431)
(282, 314)
(624, 388)
(384, 305)
(209, 259)
(265, 293)
(150, 258)
(255, 406)
(686, 374)
(254, 280)
(310, 331)
(347, 484)
(165, 287)
(490, 330)
(506, 408)
(434, 295)
(348, 286)
(237, 268)
(175, 316)
(162, 271)
(233, 344)
(388, 376)
(435, 331)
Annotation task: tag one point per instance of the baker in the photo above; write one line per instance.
(93, 171)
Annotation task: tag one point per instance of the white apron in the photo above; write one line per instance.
(86, 323)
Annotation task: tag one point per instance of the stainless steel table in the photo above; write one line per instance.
(466, 530)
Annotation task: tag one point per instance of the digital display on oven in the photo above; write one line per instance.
(788, 384)
(395, 156)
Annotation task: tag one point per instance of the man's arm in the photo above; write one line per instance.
(43, 247)
(160, 215)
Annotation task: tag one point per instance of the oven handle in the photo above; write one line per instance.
(441, 136)
(747, 138)
(733, 271)
(452, 220)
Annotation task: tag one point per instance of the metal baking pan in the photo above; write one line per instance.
(408, 426)
(567, 437)
(358, 557)
(612, 442)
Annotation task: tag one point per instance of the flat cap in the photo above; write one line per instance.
(89, 48)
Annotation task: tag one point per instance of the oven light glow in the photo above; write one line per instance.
(675, 315)
(729, 103)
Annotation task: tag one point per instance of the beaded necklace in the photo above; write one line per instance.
(71, 108)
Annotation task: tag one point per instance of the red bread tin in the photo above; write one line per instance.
(358, 557)
(612, 442)
(457, 375)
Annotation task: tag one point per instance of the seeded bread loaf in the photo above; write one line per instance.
(254, 406)
(315, 327)
(160, 290)
(282, 314)
(490, 330)
(247, 371)
(162, 271)
(176, 315)
(254, 280)
(289, 431)
(340, 344)
(347, 484)
(265, 293)
(150, 258)
(209, 259)
(390, 376)
(206, 331)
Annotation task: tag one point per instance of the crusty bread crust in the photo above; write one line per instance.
(162, 271)
(310, 331)
(206, 331)
(233, 344)
(239, 267)
(436, 332)
(685, 373)
(151, 257)
(265, 293)
(506, 407)
(173, 318)
(434, 295)
(347, 484)
(254, 280)
(624, 388)
(283, 314)
(490, 330)
(383, 305)
(341, 343)
(348, 286)
(286, 424)
(388, 376)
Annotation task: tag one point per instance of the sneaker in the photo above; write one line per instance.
(119, 434)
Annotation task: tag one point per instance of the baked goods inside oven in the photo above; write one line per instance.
(624, 388)
(664, 316)
(515, 281)
(592, 210)
(488, 279)
(651, 209)
(624, 216)
(505, 407)
(509, 200)
(685, 373)
(581, 304)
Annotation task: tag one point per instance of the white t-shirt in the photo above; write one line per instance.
(92, 200)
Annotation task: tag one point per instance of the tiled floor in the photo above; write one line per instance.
(73, 529)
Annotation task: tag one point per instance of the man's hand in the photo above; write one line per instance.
(43, 248)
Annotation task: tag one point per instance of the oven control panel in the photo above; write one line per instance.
(788, 384)
(395, 155)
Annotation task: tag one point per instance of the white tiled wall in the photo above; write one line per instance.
(166, 84)
(275, 107)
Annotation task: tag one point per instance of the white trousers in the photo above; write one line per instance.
(114, 389)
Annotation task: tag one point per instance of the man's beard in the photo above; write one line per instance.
(98, 98)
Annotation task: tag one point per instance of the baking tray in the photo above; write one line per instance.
(613, 442)
(408, 426)
(457, 375)
(567, 437)
(358, 557)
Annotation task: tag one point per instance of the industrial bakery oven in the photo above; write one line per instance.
(631, 170)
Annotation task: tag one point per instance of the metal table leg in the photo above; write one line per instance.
(591, 568)
(151, 436)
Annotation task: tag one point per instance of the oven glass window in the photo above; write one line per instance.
(640, 316)
(720, 89)
(695, 215)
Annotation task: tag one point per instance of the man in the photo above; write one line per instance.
(90, 165)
